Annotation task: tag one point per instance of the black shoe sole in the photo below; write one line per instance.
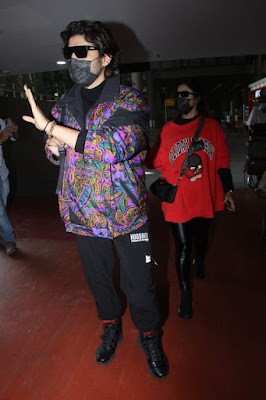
(112, 356)
(11, 253)
(185, 309)
(184, 316)
(199, 277)
(149, 368)
(199, 271)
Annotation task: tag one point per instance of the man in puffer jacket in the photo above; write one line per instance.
(100, 139)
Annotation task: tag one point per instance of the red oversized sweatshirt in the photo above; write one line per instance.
(200, 192)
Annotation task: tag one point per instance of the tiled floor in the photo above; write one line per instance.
(49, 330)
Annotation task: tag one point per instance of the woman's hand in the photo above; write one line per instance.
(38, 119)
(15, 130)
(14, 127)
(229, 201)
(53, 144)
(5, 134)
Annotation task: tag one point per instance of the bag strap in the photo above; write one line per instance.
(62, 155)
(190, 149)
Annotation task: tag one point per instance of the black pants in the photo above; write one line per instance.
(134, 252)
(184, 233)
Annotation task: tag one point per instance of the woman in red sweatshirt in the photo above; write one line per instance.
(204, 188)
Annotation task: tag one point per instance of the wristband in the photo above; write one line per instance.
(46, 125)
(50, 131)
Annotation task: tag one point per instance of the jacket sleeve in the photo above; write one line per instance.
(2, 124)
(1, 155)
(50, 156)
(158, 155)
(122, 137)
(226, 179)
(252, 118)
(152, 154)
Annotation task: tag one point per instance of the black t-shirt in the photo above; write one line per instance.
(89, 98)
(183, 121)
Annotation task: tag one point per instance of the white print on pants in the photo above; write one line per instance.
(141, 237)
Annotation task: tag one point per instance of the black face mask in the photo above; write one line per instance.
(183, 105)
(80, 72)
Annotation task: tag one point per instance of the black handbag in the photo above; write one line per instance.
(164, 190)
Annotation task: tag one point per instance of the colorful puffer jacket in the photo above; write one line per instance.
(103, 190)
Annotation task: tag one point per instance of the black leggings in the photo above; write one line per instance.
(184, 233)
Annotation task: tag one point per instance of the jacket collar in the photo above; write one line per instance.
(73, 100)
(109, 92)
(111, 89)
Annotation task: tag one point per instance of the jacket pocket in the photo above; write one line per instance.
(129, 193)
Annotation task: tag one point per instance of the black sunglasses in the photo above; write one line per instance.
(184, 93)
(80, 51)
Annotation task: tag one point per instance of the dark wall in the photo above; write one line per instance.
(30, 171)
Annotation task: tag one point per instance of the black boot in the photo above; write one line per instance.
(112, 335)
(199, 268)
(156, 359)
(185, 308)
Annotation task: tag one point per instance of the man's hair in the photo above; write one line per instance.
(193, 84)
(98, 34)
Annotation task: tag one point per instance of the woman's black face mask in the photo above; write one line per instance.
(183, 105)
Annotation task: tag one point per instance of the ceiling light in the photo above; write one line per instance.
(60, 62)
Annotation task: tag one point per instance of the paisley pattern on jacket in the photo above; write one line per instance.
(103, 192)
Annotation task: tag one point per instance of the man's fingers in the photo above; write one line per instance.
(54, 142)
(29, 95)
(28, 119)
